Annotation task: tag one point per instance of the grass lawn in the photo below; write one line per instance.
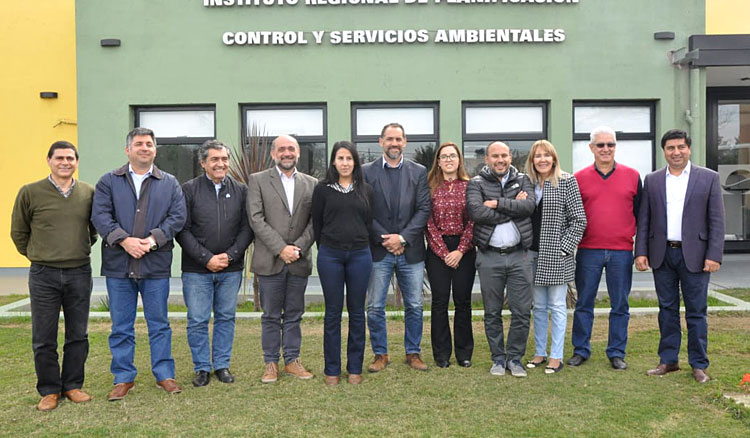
(742, 294)
(7, 299)
(592, 400)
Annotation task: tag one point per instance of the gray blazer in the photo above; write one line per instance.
(274, 227)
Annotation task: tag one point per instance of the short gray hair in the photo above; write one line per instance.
(212, 144)
(136, 132)
(603, 130)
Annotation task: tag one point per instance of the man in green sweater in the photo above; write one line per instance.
(51, 227)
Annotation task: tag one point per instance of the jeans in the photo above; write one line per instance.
(461, 280)
(282, 297)
(669, 278)
(49, 289)
(619, 275)
(123, 301)
(501, 275)
(204, 292)
(410, 279)
(338, 268)
(549, 299)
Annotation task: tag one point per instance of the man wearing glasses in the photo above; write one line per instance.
(611, 193)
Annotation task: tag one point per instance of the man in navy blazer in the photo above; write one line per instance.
(401, 207)
(681, 236)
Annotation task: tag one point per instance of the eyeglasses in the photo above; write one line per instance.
(601, 145)
(448, 157)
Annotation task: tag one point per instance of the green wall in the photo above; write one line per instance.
(172, 53)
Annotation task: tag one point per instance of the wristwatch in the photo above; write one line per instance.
(403, 241)
(154, 245)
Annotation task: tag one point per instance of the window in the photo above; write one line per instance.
(632, 121)
(179, 133)
(517, 124)
(419, 119)
(305, 122)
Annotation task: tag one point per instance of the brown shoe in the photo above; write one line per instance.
(379, 363)
(355, 379)
(663, 369)
(271, 374)
(77, 396)
(170, 386)
(48, 402)
(120, 391)
(416, 362)
(332, 380)
(296, 369)
(700, 375)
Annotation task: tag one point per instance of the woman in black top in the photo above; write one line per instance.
(342, 216)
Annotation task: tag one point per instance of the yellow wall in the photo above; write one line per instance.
(37, 46)
(727, 16)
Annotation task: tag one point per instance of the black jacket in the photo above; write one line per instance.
(486, 186)
(215, 224)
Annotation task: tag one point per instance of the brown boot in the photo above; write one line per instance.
(120, 391)
(332, 380)
(271, 374)
(416, 362)
(296, 369)
(77, 396)
(48, 402)
(169, 385)
(379, 363)
(355, 379)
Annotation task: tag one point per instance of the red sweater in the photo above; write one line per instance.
(608, 203)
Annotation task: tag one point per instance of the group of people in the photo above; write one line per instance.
(527, 234)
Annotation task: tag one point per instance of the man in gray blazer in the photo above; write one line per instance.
(681, 236)
(401, 208)
(279, 201)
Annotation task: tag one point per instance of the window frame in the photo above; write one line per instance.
(500, 136)
(245, 107)
(138, 109)
(435, 105)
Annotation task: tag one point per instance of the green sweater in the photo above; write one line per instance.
(51, 229)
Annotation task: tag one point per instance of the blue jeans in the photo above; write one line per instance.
(619, 275)
(410, 278)
(337, 268)
(550, 299)
(672, 276)
(123, 301)
(204, 292)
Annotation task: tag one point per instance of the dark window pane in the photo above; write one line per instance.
(312, 159)
(474, 152)
(181, 160)
(423, 152)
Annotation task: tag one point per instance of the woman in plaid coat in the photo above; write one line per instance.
(558, 224)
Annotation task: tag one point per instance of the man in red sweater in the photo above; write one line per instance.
(610, 193)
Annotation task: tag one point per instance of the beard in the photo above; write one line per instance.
(289, 166)
(393, 153)
(498, 175)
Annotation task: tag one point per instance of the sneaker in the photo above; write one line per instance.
(516, 368)
(296, 369)
(271, 374)
(498, 369)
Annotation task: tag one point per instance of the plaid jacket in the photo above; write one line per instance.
(563, 223)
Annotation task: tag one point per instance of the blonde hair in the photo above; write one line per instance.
(435, 177)
(535, 176)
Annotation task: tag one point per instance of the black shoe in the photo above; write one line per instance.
(465, 363)
(224, 375)
(443, 363)
(532, 364)
(552, 370)
(201, 378)
(618, 363)
(576, 360)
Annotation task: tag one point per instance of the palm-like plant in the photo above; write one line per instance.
(253, 156)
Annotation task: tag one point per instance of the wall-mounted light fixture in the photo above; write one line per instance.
(48, 94)
(663, 35)
(110, 42)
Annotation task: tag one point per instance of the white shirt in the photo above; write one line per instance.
(288, 183)
(138, 179)
(676, 190)
(505, 235)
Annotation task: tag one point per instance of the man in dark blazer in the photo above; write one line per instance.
(681, 236)
(279, 203)
(401, 199)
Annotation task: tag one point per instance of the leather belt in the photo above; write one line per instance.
(674, 244)
(507, 250)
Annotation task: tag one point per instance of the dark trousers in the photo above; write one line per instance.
(338, 268)
(461, 280)
(282, 297)
(49, 290)
(669, 278)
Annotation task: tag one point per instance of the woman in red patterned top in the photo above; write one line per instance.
(451, 255)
